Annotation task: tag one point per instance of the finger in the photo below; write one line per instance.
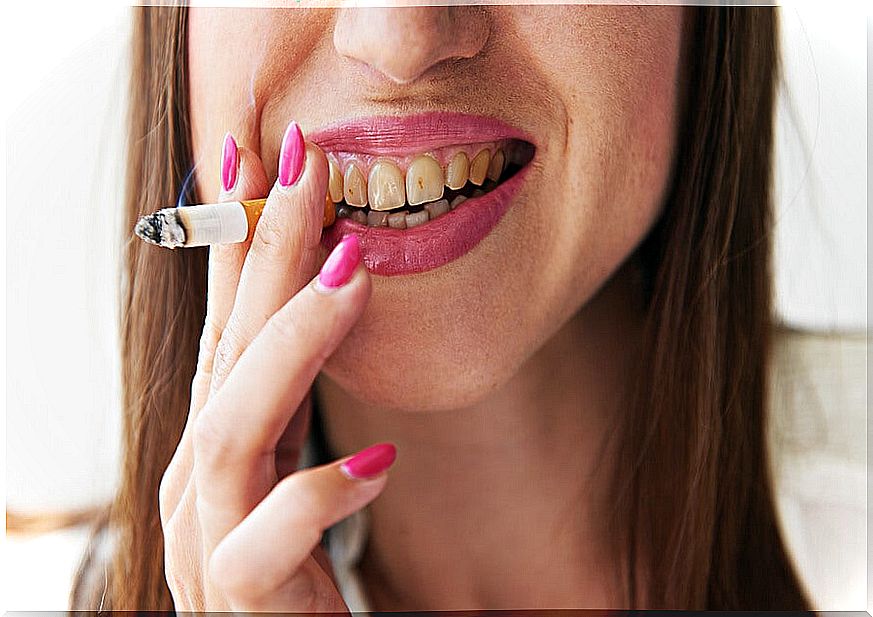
(241, 176)
(290, 444)
(236, 433)
(255, 568)
(283, 252)
(247, 180)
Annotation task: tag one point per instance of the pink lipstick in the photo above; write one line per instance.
(388, 251)
(399, 135)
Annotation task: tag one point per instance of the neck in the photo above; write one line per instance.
(503, 504)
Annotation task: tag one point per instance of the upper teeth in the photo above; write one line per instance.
(424, 182)
(383, 185)
(479, 167)
(354, 186)
(458, 171)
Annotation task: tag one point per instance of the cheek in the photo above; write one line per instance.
(621, 147)
(218, 66)
(239, 60)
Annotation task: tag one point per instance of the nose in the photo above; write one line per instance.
(403, 44)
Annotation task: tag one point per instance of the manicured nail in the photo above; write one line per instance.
(229, 163)
(291, 155)
(370, 462)
(341, 262)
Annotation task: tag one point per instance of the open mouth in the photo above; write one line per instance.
(405, 193)
(420, 191)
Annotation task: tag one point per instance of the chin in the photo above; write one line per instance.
(419, 367)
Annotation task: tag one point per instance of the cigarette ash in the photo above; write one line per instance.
(162, 228)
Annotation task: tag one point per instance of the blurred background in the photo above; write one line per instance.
(65, 103)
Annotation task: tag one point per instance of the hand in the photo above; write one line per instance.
(241, 525)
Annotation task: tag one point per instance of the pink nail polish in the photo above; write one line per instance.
(229, 163)
(341, 262)
(370, 462)
(291, 155)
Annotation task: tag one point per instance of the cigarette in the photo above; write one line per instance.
(205, 224)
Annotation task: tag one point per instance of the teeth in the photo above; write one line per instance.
(329, 216)
(336, 182)
(458, 171)
(386, 189)
(359, 217)
(479, 167)
(496, 166)
(435, 209)
(355, 186)
(424, 180)
(397, 220)
(385, 186)
(457, 201)
(414, 219)
(377, 219)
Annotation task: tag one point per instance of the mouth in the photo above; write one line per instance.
(421, 191)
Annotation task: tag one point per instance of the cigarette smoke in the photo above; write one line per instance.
(186, 192)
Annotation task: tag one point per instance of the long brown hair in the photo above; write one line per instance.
(695, 497)
(698, 497)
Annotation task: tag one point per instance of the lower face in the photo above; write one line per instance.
(499, 164)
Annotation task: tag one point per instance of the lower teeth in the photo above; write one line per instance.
(406, 218)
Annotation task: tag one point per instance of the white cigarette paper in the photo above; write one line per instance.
(205, 224)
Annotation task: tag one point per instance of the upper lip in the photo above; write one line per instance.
(399, 135)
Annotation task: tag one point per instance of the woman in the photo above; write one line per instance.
(571, 369)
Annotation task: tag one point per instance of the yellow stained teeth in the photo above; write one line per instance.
(414, 219)
(329, 212)
(479, 167)
(358, 216)
(385, 187)
(458, 171)
(457, 201)
(335, 185)
(397, 220)
(436, 208)
(355, 186)
(496, 166)
(424, 180)
(377, 219)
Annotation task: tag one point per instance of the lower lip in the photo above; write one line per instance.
(392, 252)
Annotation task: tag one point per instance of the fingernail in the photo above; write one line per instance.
(229, 163)
(341, 262)
(291, 155)
(370, 462)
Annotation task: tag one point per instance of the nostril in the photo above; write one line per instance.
(384, 62)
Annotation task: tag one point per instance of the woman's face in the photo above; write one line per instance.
(460, 302)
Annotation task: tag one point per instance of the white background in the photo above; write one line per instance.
(64, 104)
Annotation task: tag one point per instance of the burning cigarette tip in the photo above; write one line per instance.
(161, 228)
